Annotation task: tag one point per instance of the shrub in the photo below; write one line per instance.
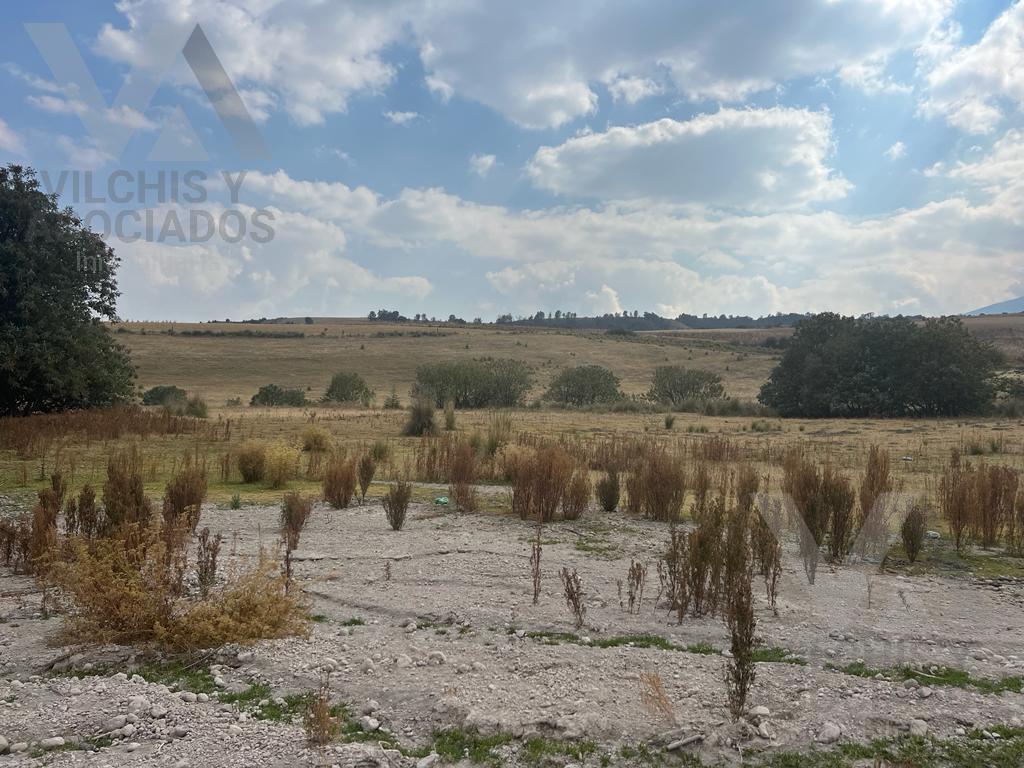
(483, 383)
(183, 497)
(207, 550)
(274, 395)
(366, 470)
(608, 490)
(449, 415)
(196, 407)
(396, 503)
(86, 520)
(675, 385)
(295, 511)
(320, 724)
(584, 385)
(124, 496)
(392, 402)
(164, 394)
(348, 388)
(661, 484)
(316, 439)
(913, 529)
(572, 585)
(539, 482)
(802, 482)
(462, 477)
(236, 501)
(670, 420)
(421, 419)
(340, 478)
(499, 432)
(838, 498)
(251, 459)
(955, 499)
(873, 520)
(994, 494)
(577, 496)
(282, 463)
(739, 613)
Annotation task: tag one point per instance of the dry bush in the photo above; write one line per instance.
(254, 606)
(251, 459)
(122, 589)
(540, 482)
(572, 585)
(608, 490)
(207, 551)
(366, 469)
(661, 484)
(577, 496)
(295, 511)
(282, 465)
(433, 458)
(872, 522)
(15, 541)
(802, 482)
(913, 529)
(636, 579)
(673, 573)
(87, 518)
(396, 503)
(340, 477)
(420, 420)
(767, 551)
(705, 561)
(184, 495)
(124, 496)
(955, 499)
(449, 415)
(654, 699)
(716, 449)
(462, 477)
(838, 498)
(1015, 527)
(316, 439)
(499, 432)
(320, 725)
(42, 543)
(634, 494)
(739, 614)
(992, 509)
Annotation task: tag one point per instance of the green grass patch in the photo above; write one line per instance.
(355, 621)
(178, 675)
(540, 751)
(467, 743)
(947, 676)
(776, 655)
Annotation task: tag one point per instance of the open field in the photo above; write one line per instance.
(432, 632)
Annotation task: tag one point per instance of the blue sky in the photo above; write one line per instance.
(480, 158)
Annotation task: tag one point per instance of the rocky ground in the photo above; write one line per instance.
(433, 629)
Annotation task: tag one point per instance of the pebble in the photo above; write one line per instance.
(918, 728)
(911, 684)
(924, 692)
(188, 697)
(179, 732)
(403, 660)
(235, 730)
(369, 724)
(51, 743)
(114, 724)
(157, 712)
(370, 707)
(437, 657)
(19, 746)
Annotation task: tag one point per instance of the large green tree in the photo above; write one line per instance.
(885, 366)
(57, 284)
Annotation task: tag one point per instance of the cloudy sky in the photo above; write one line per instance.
(477, 158)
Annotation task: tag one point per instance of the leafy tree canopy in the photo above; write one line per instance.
(346, 387)
(56, 285)
(882, 367)
(584, 385)
(274, 394)
(675, 385)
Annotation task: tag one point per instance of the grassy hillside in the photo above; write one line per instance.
(225, 366)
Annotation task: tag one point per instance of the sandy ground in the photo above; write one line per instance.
(444, 643)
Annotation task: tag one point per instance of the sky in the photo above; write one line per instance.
(480, 158)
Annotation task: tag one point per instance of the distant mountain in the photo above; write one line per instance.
(1011, 306)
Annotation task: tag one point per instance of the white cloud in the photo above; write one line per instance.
(9, 140)
(481, 165)
(633, 89)
(756, 159)
(535, 62)
(896, 151)
(83, 153)
(971, 86)
(604, 301)
(401, 118)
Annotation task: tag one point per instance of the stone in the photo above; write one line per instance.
(245, 656)
(924, 692)
(369, 724)
(132, 746)
(437, 658)
(203, 698)
(157, 712)
(235, 730)
(918, 728)
(179, 732)
(760, 711)
(51, 743)
(403, 660)
(428, 761)
(19, 746)
(370, 707)
(830, 733)
(367, 665)
(188, 697)
(911, 684)
(763, 732)
(113, 724)
(4, 745)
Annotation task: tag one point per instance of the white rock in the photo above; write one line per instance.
(760, 711)
(437, 657)
(19, 746)
(369, 724)
(911, 684)
(428, 761)
(367, 665)
(403, 660)
(245, 656)
(235, 730)
(924, 692)
(203, 698)
(370, 707)
(113, 724)
(188, 697)
(4, 745)
(157, 712)
(132, 746)
(179, 732)
(918, 728)
(830, 733)
(51, 743)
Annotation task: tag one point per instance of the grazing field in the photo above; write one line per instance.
(317, 587)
